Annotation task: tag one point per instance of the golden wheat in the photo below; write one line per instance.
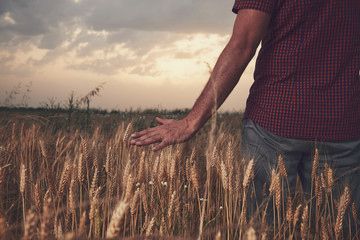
(159, 194)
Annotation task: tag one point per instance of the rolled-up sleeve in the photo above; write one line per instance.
(266, 6)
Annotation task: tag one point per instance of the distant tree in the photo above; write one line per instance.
(11, 96)
(51, 104)
(87, 99)
(26, 95)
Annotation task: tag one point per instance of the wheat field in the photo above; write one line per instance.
(59, 180)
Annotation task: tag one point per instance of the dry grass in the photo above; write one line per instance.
(56, 184)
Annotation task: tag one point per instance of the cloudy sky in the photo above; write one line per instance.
(150, 53)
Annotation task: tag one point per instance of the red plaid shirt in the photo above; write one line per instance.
(307, 83)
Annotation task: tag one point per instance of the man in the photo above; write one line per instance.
(306, 92)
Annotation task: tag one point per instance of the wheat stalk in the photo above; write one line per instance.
(45, 227)
(330, 179)
(173, 165)
(274, 178)
(42, 148)
(30, 225)
(224, 176)
(171, 208)
(81, 169)
(144, 199)
(58, 229)
(85, 149)
(318, 192)
(50, 179)
(94, 203)
(134, 201)
(278, 192)
(195, 178)
(324, 232)
(82, 226)
(129, 187)
(304, 223)
(65, 178)
(315, 164)
(215, 156)
(109, 161)
(113, 229)
(248, 173)
(296, 214)
(282, 167)
(94, 182)
(96, 157)
(127, 132)
(38, 196)
(126, 174)
(150, 226)
(289, 212)
(141, 174)
(354, 211)
(343, 204)
(22, 178)
(72, 189)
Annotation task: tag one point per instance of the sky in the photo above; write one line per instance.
(149, 53)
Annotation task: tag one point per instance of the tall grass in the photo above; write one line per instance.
(56, 184)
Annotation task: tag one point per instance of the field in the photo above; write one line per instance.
(75, 176)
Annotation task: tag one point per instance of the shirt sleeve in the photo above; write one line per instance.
(266, 6)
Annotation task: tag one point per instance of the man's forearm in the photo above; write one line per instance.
(249, 28)
(226, 74)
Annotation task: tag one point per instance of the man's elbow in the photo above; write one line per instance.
(245, 46)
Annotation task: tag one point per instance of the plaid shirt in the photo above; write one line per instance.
(307, 83)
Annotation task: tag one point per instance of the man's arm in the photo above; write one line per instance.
(249, 28)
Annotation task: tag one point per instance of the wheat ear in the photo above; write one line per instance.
(45, 227)
(315, 164)
(248, 173)
(150, 226)
(324, 232)
(30, 225)
(224, 176)
(289, 212)
(134, 202)
(22, 178)
(282, 167)
(304, 223)
(195, 178)
(297, 214)
(344, 202)
(354, 211)
(115, 222)
(82, 227)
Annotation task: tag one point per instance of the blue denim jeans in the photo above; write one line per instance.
(265, 147)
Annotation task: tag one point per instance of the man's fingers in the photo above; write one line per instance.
(147, 136)
(147, 141)
(142, 133)
(154, 135)
(160, 146)
(138, 134)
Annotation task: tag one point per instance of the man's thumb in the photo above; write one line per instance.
(162, 120)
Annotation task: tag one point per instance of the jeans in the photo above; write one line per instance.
(265, 147)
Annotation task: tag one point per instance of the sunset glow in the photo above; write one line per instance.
(148, 55)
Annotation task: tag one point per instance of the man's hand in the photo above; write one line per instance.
(169, 132)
